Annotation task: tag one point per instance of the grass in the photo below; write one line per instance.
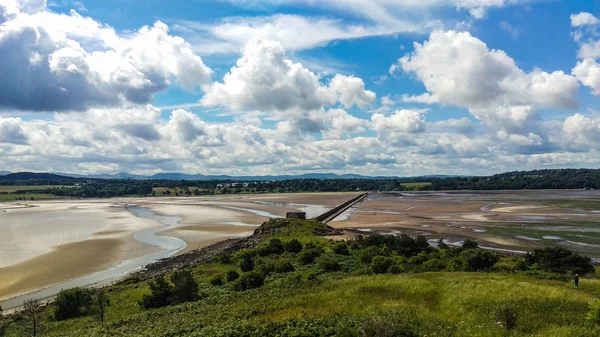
(588, 205)
(312, 302)
(35, 196)
(417, 186)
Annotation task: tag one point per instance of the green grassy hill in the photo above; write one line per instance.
(334, 289)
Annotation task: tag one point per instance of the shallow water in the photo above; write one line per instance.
(168, 245)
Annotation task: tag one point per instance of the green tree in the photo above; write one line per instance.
(71, 303)
(31, 310)
(160, 296)
(186, 288)
(341, 248)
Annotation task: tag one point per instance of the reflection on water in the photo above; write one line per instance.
(168, 245)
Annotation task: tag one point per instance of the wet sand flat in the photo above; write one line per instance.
(502, 219)
(44, 243)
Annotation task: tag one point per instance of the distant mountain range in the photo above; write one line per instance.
(196, 177)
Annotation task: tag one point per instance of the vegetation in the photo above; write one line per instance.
(376, 286)
(24, 186)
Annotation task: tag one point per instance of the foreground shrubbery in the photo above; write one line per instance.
(324, 288)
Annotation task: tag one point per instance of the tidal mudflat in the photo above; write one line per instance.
(48, 244)
(512, 220)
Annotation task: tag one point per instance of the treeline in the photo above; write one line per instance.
(537, 179)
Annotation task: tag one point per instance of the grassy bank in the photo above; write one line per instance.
(363, 288)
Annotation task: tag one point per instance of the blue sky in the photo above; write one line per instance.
(395, 87)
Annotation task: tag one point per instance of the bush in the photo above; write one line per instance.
(160, 294)
(232, 275)
(542, 275)
(380, 264)
(73, 303)
(293, 246)
(396, 268)
(419, 259)
(273, 247)
(265, 267)
(251, 280)
(284, 266)
(560, 260)
(510, 264)
(247, 261)
(186, 288)
(433, 265)
(366, 255)
(341, 248)
(478, 259)
(328, 263)
(217, 280)
(308, 256)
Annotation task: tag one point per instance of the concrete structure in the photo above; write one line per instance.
(296, 215)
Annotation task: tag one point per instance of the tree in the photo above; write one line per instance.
(72, 303)
(341, 248)
(160, 296)
(186, 288)
(102, 302)
(470, 244)
(30, 309)
(441, 244)
(560, 260)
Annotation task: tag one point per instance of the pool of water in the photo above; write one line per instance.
(168, 247)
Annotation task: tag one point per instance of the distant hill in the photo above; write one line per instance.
(199, 177)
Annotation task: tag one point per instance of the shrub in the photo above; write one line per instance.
(441, 244)
(560, 260)
(251, 280)
(247, 261)
(366, 255)
(186, 288)
(160, 294)
(396, 268)
(73, 303)
(434, 265)
(341, 248)
(470, 244)
(419, 259)
(273, 247)
(308, 256)
(232, 275)
(456, 264)
(507, 317)
(217, 280)
(478, 259)
(283, 266)
(293, 246)
(510, 264)
(380, 264)
(265, 267)
(329, 263)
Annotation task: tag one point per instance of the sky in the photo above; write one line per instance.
(261, 87)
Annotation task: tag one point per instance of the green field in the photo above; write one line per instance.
(346, 298)
(415, 186)
(28, 196)
(11, 189)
